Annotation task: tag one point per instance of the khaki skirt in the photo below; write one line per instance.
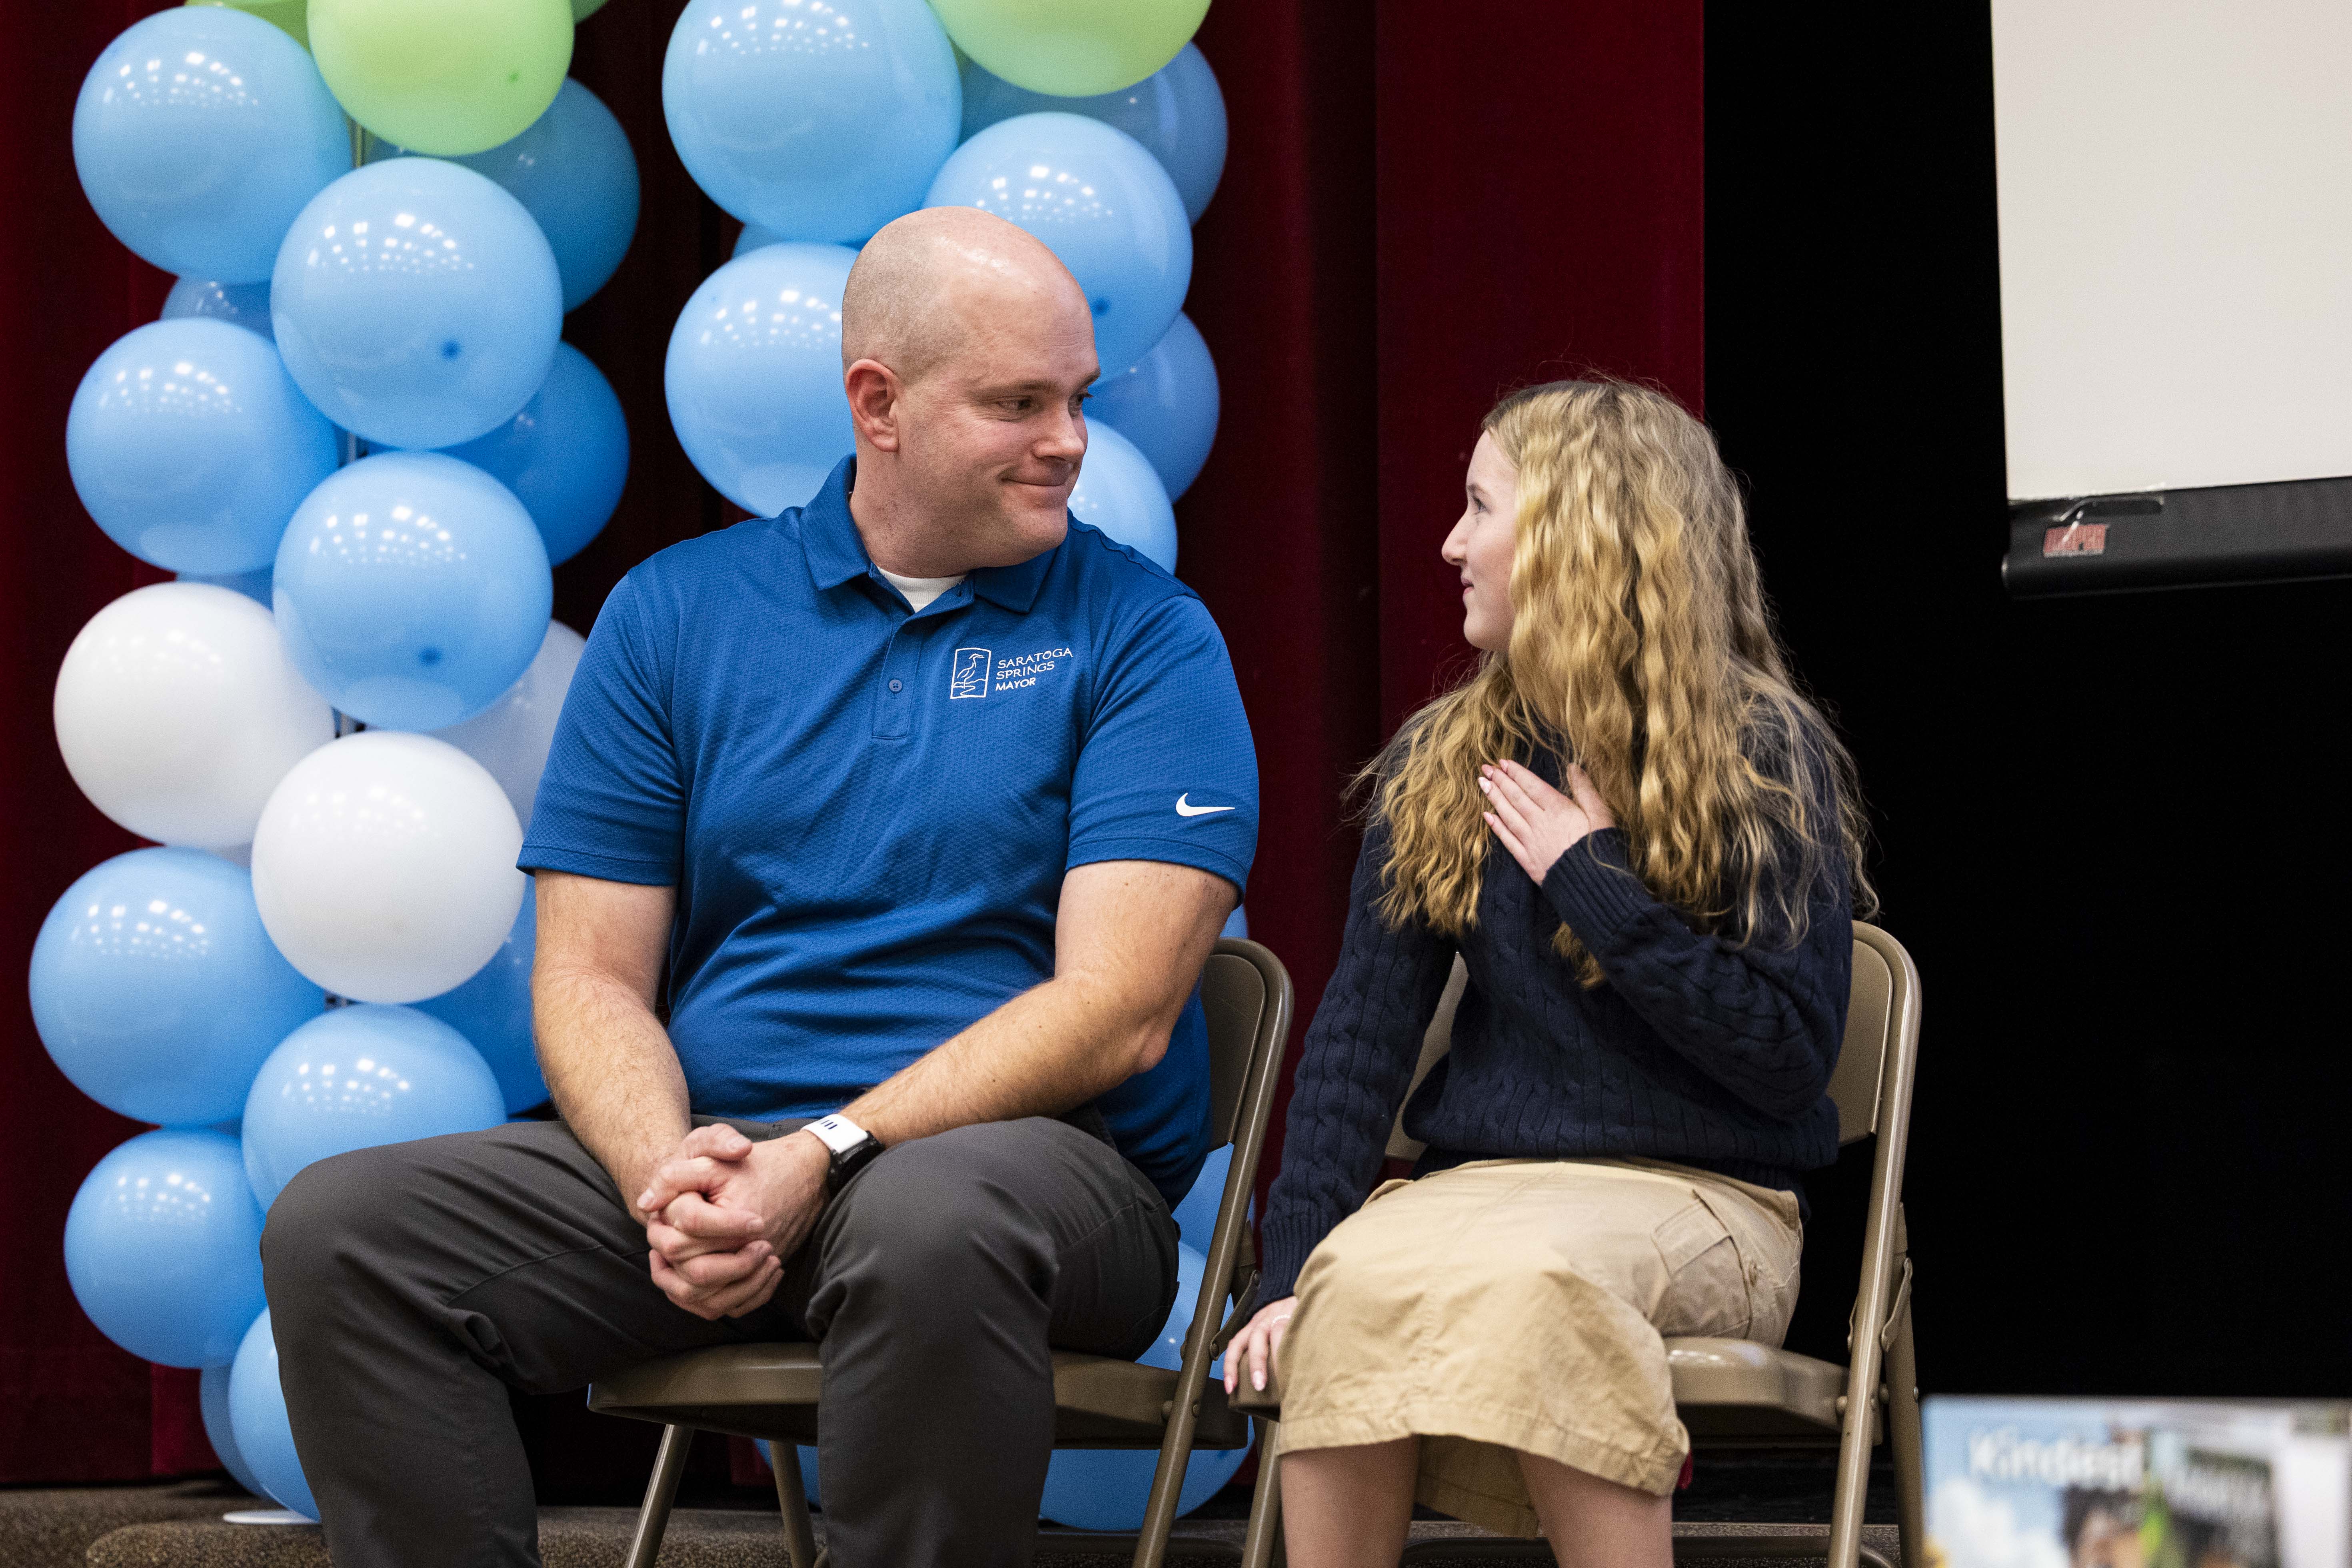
(1523, 1304)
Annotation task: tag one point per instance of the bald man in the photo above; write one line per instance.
(877, 856)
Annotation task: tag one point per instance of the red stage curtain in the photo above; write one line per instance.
(1541, 215)
(76, 1407)
(1422, 206)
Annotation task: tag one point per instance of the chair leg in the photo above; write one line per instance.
(1902, 1438)
(1853, 1493)
(1166, 1486)
(670, 1465)
(1261, 1546)
(792, 1501)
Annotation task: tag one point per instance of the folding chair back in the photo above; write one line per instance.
(1883, 986)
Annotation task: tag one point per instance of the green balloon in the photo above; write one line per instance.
(285, 15)
(442, 77)
(1071, 49)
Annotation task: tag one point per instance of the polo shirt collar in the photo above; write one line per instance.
(829, 535)
(836, 554)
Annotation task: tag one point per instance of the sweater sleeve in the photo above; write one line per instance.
(1353, 1074)
(1762, 1019)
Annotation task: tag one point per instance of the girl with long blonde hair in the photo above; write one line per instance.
(1644, 843)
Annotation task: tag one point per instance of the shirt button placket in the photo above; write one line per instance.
(894, 705)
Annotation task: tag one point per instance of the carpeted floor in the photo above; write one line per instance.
(179, 1525)
(717, 1538)
(53, 1527)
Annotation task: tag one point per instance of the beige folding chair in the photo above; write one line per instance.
(771, 1390)
(1740, 1393)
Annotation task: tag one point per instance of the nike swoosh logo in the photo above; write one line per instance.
(1184, 809)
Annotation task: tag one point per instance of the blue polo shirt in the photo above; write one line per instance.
(867, 811)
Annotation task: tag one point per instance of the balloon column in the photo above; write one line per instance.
(358, 439)
(331, 946)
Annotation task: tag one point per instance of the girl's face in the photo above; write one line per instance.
(1481, 545)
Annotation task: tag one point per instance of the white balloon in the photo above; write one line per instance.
(510, 737)
(384, 866)
(178, 712)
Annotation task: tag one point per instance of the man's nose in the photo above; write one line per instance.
(1064, 439)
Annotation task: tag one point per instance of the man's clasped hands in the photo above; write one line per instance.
(723, 1213)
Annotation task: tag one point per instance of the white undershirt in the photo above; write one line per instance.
(920, 590)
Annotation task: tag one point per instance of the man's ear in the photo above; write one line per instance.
(873, 391)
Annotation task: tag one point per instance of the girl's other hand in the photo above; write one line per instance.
(1257, 1342)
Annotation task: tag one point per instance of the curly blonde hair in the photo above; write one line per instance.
(1641, 646)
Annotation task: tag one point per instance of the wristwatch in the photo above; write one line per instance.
(852, 1147)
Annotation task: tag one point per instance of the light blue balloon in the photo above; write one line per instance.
(754, 238)
(1177, 112)
(492, 1010)
(754, 376)
(818, 122)
(574, 173)
(190, 445)
(257, 1412)
(1107, 1488)
(199, 135)
(565, 456)
(412, 590)
(1166, 402)
(254, 586)
(211, 1403)
(243, 305)
(356, 1078)
(1237, 924)
(417, 303)
(1100, 201)
(163, 1247)
(1196, 1213)
(1118, 493)
(157, 992)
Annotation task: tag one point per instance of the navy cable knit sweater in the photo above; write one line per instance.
(1691, 1050)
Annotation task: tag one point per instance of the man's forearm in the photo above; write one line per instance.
(1045, 1051)
(614, 1073)
(1131, 937)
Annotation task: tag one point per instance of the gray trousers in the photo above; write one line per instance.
(411, 1285)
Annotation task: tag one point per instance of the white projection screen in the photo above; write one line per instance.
(2175, 184)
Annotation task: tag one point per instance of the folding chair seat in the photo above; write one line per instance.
(1738, 1393)
(771, 1390)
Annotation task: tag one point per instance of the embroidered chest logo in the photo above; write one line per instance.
(977, 672)
(967, 676)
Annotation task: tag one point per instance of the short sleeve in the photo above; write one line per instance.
(1167, 770)
(612, 803)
